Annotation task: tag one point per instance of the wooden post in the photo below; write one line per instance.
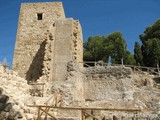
(136, 116)
(82, 115)
(134, 69)
(95, 64)
(122, 61)
(90, 115)
(158, 68)
(38, 117)
(147, 70)
(42, 90)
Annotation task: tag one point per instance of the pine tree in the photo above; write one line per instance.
(150, 44)
(155, 52)
(137, 53)
(101, 47)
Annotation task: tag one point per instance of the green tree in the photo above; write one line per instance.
(93, 49)
(150, 44)
(130, 59)
(101, 47)
(137, 53)
(117, 47)
(155, 52)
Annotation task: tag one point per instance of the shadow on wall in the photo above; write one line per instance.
(35, 69)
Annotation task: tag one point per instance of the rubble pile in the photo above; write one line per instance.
(14, 96)
(6, 109)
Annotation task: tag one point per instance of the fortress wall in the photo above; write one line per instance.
(77, 41)
(62, 52)
(31, 34)
(64, 44)
(46, 42)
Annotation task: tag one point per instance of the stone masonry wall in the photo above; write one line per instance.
(65, 47)
(61, 47)
(47, 63)
(31, 35)
(77, 42)
(44, 47)
(108, 83)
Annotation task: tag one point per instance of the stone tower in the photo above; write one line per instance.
(46, 41)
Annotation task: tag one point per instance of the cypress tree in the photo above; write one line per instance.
(137, 53)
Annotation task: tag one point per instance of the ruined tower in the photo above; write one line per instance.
(46, 41)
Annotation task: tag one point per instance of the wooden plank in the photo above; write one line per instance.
(84, 108)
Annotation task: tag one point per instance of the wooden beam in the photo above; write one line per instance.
(82, 115)
(49, 100)
(90, 115)
(38, 117)
(87, 108)
(48, 114)
(47, 109)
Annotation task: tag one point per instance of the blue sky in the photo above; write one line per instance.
(97, 17)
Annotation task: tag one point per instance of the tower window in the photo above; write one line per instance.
(39, 16)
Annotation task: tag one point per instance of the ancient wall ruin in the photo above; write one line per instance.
(46, 41)
(108, 83)
(48, 47)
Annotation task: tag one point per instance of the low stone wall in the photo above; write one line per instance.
(108, 83)
(109, 71)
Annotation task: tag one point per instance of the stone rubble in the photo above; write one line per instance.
(121, 89)
(17, 89)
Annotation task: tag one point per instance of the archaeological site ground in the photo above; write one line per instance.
(50, 80)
